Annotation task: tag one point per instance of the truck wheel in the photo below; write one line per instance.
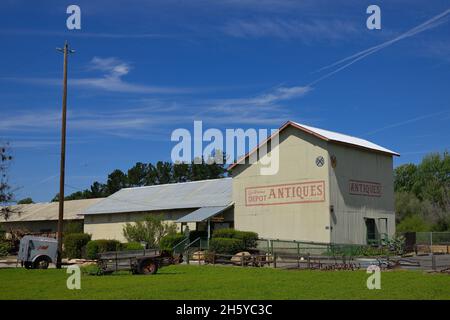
(148, 267)
(41, 263)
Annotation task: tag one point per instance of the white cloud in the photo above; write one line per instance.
(113, 70)
(312, 31)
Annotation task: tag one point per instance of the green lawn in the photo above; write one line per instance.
(215, 282)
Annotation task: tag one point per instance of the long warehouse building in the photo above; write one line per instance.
(330, 188)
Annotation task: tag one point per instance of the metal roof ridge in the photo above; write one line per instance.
(173, 183)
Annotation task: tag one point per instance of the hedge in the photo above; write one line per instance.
(74, 244)
(226, 245)
(171, 240)
(94, 247)
(247, 237)
(225, 233)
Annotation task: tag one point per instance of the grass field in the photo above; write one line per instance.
(215, 282)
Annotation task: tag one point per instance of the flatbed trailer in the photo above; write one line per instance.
(145, 261)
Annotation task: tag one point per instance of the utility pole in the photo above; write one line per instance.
(66, 52)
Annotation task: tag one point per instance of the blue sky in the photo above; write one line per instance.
(144, 68)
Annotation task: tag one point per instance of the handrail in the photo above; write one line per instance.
(180, 243)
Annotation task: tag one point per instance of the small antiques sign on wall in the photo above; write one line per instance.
(365, 188)
(301, 192)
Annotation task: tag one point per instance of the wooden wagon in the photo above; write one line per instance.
(146, 261)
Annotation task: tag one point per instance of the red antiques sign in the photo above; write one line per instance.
(301, 192)
(365, 188)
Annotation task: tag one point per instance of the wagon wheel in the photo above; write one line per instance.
(41, 263)
(148, 267)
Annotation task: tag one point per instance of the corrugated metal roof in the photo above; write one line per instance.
(325, 135)
(340, 137)
(49, 210)
(202, 214)
(196, 194)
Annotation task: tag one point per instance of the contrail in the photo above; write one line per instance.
(429, 24)
(406, 122)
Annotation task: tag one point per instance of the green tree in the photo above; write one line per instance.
(137, 174)
(151, 229)
(25, 201)
(413, 223)
(424, 191)
(405, 177)
(116, 181)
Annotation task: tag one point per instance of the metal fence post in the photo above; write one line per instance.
(433, 261)
(309, 261)
(274, 260)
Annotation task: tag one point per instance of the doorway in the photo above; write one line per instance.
(371, 232)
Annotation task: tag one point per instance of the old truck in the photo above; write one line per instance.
(37, 252)
(145, 261)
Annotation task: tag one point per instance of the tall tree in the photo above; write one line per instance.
(116, 181)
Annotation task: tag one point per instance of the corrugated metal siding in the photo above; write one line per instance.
(196, 194)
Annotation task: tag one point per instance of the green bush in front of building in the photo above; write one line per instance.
(5, 247)
(171, 240)
(231, 241)
(247, 237)
(94, 247)
(225, 233)
(74, 244)
(130, 246)
(226, 245)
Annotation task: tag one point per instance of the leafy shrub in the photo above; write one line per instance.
(225, 233)
(5, 247)
(74, 244)
(94, 247)
(132, 246)
(226, 245)
(73, 227)
(171, 240)
(150, 230)
(247, 237)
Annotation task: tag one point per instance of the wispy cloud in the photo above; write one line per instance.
(156, 114)
(312, 31)
(113, 71)
(83, 34)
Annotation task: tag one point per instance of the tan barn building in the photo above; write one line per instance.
(330, 187)
(42, 218)
(201, 205)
